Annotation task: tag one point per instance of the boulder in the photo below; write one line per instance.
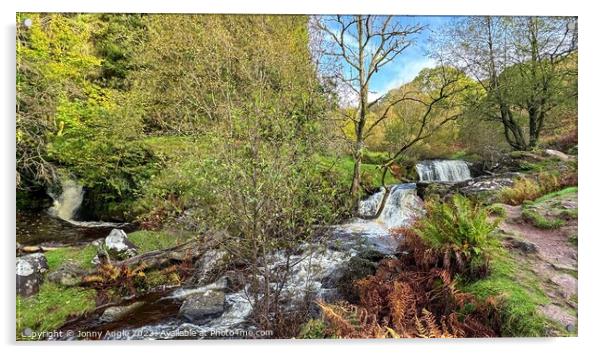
(486, 188)
(524, 246)
(116, 313)
(118, 245)
(201, 307)
(207, 265)
(483, 188)
(30, 273)
(68, 274)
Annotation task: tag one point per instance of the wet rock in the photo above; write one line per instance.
(116, 313)
(483, 188)
(68, 274)
(208, 264)
(357, 268)
(486, 188)
(118, 245)
(200, 307)
(30, 271)
(371, 254)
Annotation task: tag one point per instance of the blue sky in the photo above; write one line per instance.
(409, 63)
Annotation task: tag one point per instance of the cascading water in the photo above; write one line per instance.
(402, 205)
(66, 204)
(443, 170)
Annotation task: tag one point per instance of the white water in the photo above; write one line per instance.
(443, 170)
(401, 207)
(66, 204)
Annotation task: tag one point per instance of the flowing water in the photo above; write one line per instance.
(158, 317)
(58, 224)
(443, 170)
(401, 207)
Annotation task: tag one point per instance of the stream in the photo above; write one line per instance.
(313, 270)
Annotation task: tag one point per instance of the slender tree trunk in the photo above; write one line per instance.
(362, 112)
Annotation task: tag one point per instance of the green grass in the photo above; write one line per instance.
(155, 240)
(540, 221)
(562, 192)
(520, 294)
(81, 256)
(51, 307)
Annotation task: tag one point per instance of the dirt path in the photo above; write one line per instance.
(551, 256)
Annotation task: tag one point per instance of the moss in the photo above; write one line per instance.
(158, 278)
(519, 293)
(81, 256)
(51, 307)
(155, 240)
(540, 221)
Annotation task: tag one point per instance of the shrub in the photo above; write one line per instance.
(313, 329)
(459, 233)
(523, 189)
(402, 300)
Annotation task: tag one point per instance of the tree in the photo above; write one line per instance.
(358, 46)
(522, 63)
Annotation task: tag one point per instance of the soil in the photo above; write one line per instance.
(555, 258)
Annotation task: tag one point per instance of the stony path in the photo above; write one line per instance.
(551, 256)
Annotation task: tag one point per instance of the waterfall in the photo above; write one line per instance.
(443, 170)
(400, 206)
(66, 204)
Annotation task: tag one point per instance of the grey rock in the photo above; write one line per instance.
(524, 246)
(208, 264)
(116, 313)
(68, 274)
(30, 271)
(118, 245)
(200, 307)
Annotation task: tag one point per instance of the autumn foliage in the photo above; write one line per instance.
(407, 298)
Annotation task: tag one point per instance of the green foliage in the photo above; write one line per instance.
(51, 307)
(342, 167)
(313, 329)
(460, 229)
(522, 190)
